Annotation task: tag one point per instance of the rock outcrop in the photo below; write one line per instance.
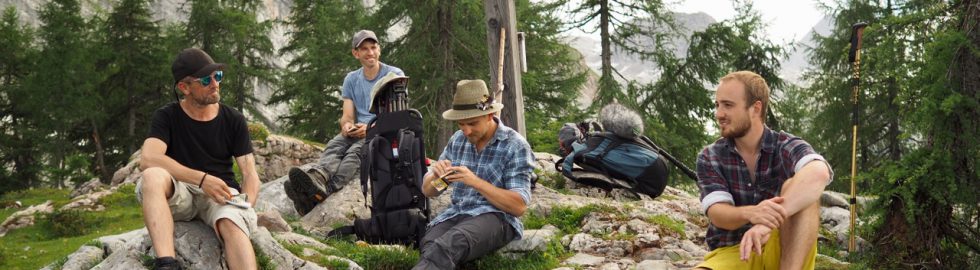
(629, 231)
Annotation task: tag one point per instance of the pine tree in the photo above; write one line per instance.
(554, 75)
(445, 43)
(65, 102)
(230, 32)
(624, 25)
(18, 166)
(919, 126)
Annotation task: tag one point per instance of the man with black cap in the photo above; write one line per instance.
(311, 183)
(489, 167)
(187, 166)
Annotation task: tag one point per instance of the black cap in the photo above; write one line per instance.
(195, 63)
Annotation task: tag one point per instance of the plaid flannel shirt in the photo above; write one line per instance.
(723, 176)
(505, 162)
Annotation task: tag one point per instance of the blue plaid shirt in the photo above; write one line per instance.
(505, 162)
(723, 176)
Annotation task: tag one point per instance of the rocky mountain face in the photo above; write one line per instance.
(626, 231)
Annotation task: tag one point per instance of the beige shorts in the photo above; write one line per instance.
(189, 202)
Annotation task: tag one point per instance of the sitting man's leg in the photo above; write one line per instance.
(792, 246)
(348, 167)
(233, 226)
(238, 248)
(308, 183)
(798, 235)
(164, 200)
(447, 244)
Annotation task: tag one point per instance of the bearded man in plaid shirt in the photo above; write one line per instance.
(759, 188)
(488, 166)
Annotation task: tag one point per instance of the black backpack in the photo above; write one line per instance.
(392, 168)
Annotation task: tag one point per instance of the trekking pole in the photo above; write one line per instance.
(672, 159)
(855, 58)
(498, 94)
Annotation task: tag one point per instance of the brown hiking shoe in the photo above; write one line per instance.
(307, 187)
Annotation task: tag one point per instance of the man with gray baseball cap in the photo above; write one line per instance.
(489, 167)
(340, 162)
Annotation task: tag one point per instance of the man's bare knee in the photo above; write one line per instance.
(156, 180)
(227, 227)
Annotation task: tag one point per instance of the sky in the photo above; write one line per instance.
(788, 20)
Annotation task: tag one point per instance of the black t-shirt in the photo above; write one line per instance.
(205, 146)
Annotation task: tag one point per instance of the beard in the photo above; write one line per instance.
(736, 129)
(206, 99)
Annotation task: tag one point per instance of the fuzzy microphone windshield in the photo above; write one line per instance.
(621, 121)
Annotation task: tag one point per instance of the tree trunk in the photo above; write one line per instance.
(131, 115)
(606, 79)
(894, 146)
(100, 168)
(445, 45)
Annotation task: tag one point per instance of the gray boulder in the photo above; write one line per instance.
(272, 197)
(197, 247)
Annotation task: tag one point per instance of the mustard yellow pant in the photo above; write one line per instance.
(725, 258)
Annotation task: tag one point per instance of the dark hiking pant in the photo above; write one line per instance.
(463, 238)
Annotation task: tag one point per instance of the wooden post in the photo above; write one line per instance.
(500, 14)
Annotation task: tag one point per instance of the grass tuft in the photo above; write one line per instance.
(668, 225)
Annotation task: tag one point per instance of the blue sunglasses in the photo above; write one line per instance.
(206, 80)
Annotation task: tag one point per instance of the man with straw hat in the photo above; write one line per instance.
(489, 167)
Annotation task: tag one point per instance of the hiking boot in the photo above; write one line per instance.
(307, 187)
(166, 263)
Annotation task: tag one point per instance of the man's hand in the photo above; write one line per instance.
(753, 240)
(356, 131)
(463, 175)
(768, 212)
(216, 188)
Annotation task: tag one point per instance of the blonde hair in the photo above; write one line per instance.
(756, 88)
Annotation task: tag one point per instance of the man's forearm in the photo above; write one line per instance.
(806, 187)
(427, 187)
(727, 216)
(506, 200)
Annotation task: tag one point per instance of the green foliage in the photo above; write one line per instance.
(258, 131)
(552, 180)
(123, 197)
(625, 25)
(230, 32)
(311, 86)
(917, 142)
(565, 218)
(372, 257)
(67, 223)
(34, 247)
(263, 260)
(551, 258)
(668, 225)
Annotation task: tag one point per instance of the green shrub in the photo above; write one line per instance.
(567, 219)
(551, 258)
(258, 131)
(264, 262)
(371, 257)
(125, 196)
(668, 224)
(68, 223)
(552, 180)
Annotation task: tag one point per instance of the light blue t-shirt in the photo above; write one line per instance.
(358, 89)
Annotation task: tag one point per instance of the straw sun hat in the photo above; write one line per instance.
(471, 100)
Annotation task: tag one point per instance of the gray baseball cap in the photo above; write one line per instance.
(362, 35)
